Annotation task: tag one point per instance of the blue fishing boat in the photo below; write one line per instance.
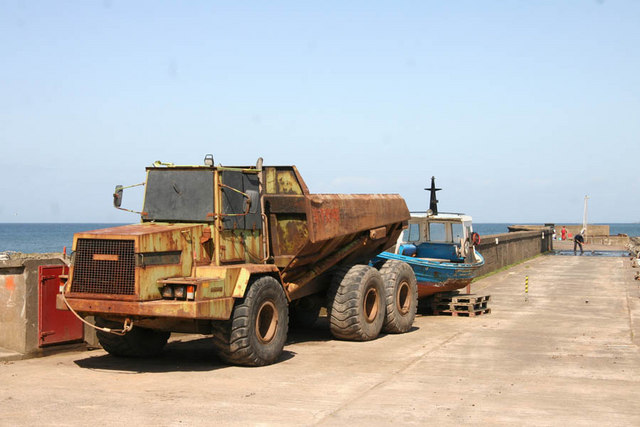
(439, 247)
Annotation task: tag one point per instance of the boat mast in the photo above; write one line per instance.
(433, 202)
(584, 216)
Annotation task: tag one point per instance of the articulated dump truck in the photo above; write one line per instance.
(233, 252)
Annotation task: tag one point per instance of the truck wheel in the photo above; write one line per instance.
(401, 293)
(355, 303)
(138, 342)
(257, 330)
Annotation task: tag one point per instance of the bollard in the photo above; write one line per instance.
(526, 288)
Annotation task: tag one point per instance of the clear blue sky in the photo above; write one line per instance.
(519, 108)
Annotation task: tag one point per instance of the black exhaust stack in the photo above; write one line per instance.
(433, 202)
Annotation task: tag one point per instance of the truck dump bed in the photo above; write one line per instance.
(310, 233)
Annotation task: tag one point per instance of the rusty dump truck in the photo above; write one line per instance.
(233, 252)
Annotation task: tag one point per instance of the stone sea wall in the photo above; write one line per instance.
(500, 250)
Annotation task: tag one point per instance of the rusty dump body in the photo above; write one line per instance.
(207, 231)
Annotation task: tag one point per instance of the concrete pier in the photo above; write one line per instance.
(568, 354)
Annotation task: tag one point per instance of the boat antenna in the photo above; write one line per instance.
(433, 202)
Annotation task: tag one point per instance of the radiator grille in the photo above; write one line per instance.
(104, 267)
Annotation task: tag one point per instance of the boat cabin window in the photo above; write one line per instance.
(457, 231)
(412, 234)
(437, 232)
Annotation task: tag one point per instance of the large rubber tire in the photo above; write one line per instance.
(401, 293)
(355, 303)
(257, 331)
(138, 342)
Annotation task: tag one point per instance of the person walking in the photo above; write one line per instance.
(563, 233)
(578, 240)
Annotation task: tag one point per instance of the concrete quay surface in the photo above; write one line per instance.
(567, 356)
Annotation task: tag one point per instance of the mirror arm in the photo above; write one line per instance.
(245, 195)
(117, 197)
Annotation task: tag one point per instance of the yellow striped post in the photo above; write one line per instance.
(526, 288)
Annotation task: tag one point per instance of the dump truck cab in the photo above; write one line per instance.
(227, 251)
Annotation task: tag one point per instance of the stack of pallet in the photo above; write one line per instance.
(467, 305)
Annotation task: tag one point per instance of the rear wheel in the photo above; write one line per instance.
(256, 333)
(401, 293)
(139, 342)
(355, 303)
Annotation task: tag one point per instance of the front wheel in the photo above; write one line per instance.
(257, 331)
(138, 342)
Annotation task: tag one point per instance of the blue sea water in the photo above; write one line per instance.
(53, 237)
(630, 229)
(42, 237)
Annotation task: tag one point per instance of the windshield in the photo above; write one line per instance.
(178, 195)
(437, 232)
(412, 234)
(457, 230)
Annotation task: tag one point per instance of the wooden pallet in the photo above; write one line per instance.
(462, 313)
(453, 306)
(461, 298)
(463, 305)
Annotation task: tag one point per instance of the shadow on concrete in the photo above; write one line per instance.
(317, 333)
(193, 355)
(320, 332)
(178, 356)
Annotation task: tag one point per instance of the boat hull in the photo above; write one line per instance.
(426, 289)
(436, 276)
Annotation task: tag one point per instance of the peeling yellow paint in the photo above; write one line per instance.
(241, 283)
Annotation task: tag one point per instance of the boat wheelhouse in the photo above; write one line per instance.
(440, 248)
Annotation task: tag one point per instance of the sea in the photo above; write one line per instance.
(54, 237)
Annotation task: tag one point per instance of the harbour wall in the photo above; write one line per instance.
(596, 234)
(20, 304)
(501, 250)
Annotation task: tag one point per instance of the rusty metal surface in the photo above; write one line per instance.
(429, 288)
(333, 215)
(292, 234)
(218, 309)
(134, 230)
(378, 233)
(54, 326)
(286, 204)
(284, 180)
(296, 285)
(241, 246)
(148, 238)
(334, 228)
(235, 278)
(327, 217)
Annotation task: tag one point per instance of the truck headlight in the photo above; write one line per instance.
(167, 291)
(179, 292)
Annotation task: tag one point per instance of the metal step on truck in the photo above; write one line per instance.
(233, 252)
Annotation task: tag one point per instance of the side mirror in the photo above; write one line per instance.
(117, 196)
